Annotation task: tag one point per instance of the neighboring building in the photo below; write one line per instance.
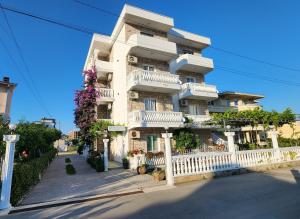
(74, 134)
(49, 122)
(286, 131)
(236, 101)
(149, 74)
(6, 93)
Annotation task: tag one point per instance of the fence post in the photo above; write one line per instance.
(275, 145)
(7, 171)
(231, 147)
(168, 157)
(105, 141)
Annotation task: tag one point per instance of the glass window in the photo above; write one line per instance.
(148, 67)
(150, 104)
(187, 51)
(152, 143)
(194, 109)
(190, 79)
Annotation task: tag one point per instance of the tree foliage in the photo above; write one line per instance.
(85, 104)
(3, 131)
(35, 139)
(185, 139)
(254, 118)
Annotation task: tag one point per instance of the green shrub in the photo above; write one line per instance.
(67, 160)
(80, 149)
(70, 169)
(27, 174)
(72, 148)
(96, 162)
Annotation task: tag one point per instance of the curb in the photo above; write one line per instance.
(42, 205)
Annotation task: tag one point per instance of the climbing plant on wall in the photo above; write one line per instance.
(85, 105)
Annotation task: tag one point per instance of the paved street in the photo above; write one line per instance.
(57, 185)
(272, 195)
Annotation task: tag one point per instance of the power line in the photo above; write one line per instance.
(274, 80)
(212, 47)
(24, 62)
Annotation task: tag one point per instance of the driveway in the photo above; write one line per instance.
(271, 195)
(57, 185)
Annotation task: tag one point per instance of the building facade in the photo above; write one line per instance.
(6, 92)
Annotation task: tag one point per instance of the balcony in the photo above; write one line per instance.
(193, 63)
(106, 95)
(162, 119)
(249, 106)
(151, 47)
(198, 121)
(153, 81)
(103, 68)
(221, 109)
(198, 91)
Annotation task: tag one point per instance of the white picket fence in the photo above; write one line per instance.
(205, 162)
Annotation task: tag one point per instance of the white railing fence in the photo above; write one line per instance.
(106, 93)
(151, 76)
(155, 116)
(204, 162)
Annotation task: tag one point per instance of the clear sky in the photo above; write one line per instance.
(268, 30)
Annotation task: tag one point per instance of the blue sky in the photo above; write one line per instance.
(266, 30)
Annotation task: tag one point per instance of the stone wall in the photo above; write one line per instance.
(202, 105)
(159, 66)
(184, 74)
(133, 29)
(163, 101)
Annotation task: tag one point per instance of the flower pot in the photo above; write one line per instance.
(142, 170)
(125, 165)
(159, 175)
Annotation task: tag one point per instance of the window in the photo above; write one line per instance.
(148, 67)
(236, 102)
(227, 102)
(146, 34)
(194, 109)
(211, 103)
(150, 104)
(152, 143)
(187, 51)
(190, 79)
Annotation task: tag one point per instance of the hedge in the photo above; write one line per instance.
(96, 162)
(27, 174)
(70, 169)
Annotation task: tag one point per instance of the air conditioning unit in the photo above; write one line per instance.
(133, 95)
(109, 76)
(134, 134)
(132, 59)
(183, 102)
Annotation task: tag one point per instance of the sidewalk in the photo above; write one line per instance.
(57, 185)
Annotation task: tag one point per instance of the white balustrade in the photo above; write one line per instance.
(151, 76)
(290, 153)
(201, 163)
(106, 93)
(143, 118)
(259, 157)
(155, 161)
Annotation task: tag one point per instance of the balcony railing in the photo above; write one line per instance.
(198, 91)
(199, 121)
(221, 109)
(153, 81)
(105, 95)
(141, 118)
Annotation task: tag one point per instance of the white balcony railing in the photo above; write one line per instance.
(105, 95)
(153, 81)
(221, 109)
(142, 118)
(198, 91)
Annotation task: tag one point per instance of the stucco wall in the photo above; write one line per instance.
(134, 29)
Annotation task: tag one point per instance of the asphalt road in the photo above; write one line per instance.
(271, 195)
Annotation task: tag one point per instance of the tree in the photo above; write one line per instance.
(85, 105)
(3, 131)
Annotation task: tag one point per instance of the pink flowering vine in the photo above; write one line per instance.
(85, 104)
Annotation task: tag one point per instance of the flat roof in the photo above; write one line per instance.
(239, 94)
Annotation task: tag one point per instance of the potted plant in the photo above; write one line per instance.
(125, 163)
(159, 174)
(142, 169)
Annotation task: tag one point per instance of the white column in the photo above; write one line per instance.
(168, 158)
(275, 145)
(7, 171)
(105, 141)
(231, 147)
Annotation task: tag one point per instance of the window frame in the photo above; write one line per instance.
(150, 99)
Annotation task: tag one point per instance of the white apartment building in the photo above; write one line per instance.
(150, 76)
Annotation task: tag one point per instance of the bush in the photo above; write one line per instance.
(27, 174)
(96, 162)
(70, 169)
(67, 160)
(80, 149)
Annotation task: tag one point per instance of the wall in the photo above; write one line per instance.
(286, 131)
(163, 101)
(134, 29)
